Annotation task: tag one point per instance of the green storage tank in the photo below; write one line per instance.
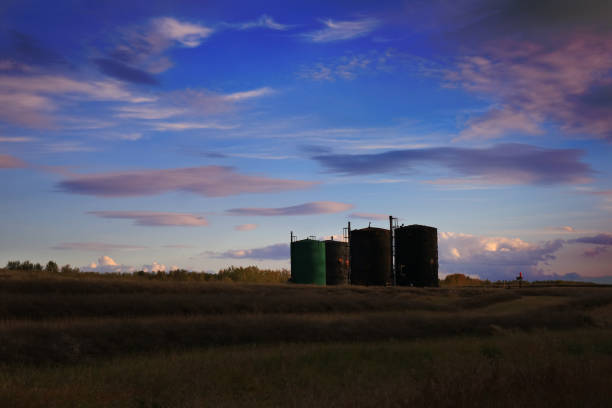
(308, 262)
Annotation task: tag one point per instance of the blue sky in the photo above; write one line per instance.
(157, 135)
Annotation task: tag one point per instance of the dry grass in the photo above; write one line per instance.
(564, 369)
(138, 343)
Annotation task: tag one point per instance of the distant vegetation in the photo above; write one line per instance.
(251, 274)
(459, 279)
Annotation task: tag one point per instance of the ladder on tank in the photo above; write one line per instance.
(393, 224)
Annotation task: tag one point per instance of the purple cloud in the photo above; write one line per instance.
(317, 207)
(565, 81)
(155, 219)
(124, 72)
(209, 181)
(599, 239)
(270, 252)
(95, 246)
(593, 252)
(502, 163)
(10, 162)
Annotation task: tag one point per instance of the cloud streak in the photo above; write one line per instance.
(10, 162)
(369, 216)
(209, 181)
(599, 239)
(317, 207)
(342, 30)
(500, 164)
(154, 218)
(270, 252)
(245, 227)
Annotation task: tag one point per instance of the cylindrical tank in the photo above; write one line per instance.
(336, 262)
(370, 250)
(416, 255)
(308, 262)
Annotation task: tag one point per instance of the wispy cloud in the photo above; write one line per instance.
(178, 126)
(96, 246)
(184, 33)
(210, 181)
(352, 65)
(245, 227)
(16, 139)
(264, 21)
(241, 96)
(342, 30)
(317, 207)
(270, 252)
(10, 162)
(155, 219)
(500, 164)
(369, 216)
(140, 51)
(31, 100)
(499, 122)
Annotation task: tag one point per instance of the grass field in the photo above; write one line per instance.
(91, 342)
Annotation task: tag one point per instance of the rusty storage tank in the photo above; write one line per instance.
(336, 262)
(416, 255)
(308, 262)
(370, 250)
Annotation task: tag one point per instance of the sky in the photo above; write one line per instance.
(158, 135)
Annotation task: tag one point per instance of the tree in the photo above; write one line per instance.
(51, 267)
(66, 269)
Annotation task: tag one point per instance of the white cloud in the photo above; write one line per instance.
(106, 264)
(493, 258)
(187, 34)
(343, 30)
(240, 96)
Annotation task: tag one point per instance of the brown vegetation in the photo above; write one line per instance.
(91, 340)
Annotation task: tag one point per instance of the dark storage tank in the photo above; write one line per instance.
(308, 262)
(370, 250)
(416, 255)
(336, 262)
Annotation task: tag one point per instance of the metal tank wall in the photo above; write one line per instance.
(416, 255)
(336, 262)
(370, 250)
(308, 262)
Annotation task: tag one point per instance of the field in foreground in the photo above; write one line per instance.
(88, 342)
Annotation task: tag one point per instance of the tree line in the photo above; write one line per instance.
(232, 273)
